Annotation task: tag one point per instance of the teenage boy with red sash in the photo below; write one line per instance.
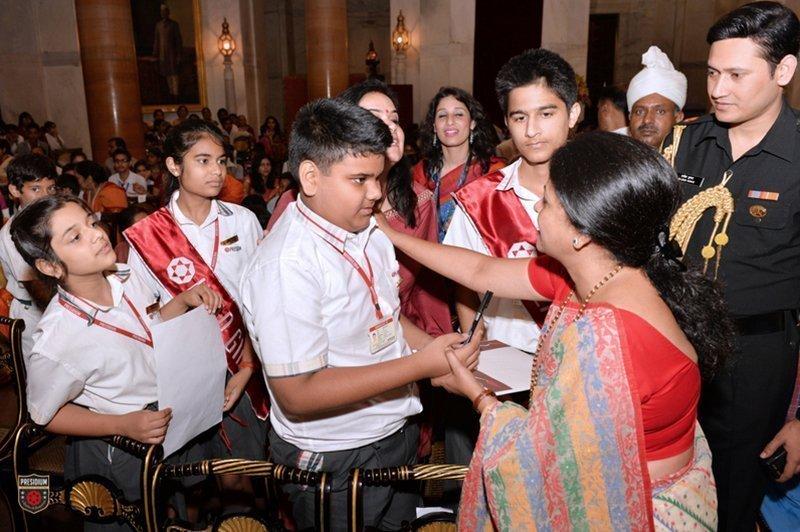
(496, 216)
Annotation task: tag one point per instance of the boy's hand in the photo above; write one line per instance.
(139, 189)
(235, 387)
(460, 380)
(146, 426)
(202, 295)
(467, 354)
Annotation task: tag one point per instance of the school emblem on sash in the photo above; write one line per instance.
(180, 270)
(521, 250)
(33, 492)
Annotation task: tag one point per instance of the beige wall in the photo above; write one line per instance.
(442, 46)
(40, 69)
(565, 30)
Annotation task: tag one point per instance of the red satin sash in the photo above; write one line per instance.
(503, 223)
(165, 249)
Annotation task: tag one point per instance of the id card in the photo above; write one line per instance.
(382, 334)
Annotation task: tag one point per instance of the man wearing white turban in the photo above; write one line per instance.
(656, 96)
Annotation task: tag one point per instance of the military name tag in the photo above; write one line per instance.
(691, 180)
(382, 335)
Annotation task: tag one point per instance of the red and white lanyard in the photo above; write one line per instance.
(148, 341)
(216, 244)
(369, 279)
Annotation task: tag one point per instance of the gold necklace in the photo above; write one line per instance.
(546, 334)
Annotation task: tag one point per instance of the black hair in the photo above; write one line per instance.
(180, 140)
(76, 154)
(67, 168)
(33, 236)
(125, 217)
(623, 194)
(537, 66)
(182, 107)
(484, 138)
(4, 145)
(140, 162)
(119, 142)
(255, 203)
(278, 130)
(399, 183)
(48, 125)
(30, 167)
(616, 96)
(325, 131)
(772, 26)
(257, 181)
(24, 115)
(96, 171)
(121, 151)
(68, 183)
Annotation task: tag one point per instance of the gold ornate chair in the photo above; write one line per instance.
(359, 479)
(12, 403)
(29, 450)
(273, 474)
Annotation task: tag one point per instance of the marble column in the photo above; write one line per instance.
(110, 75)
(326, 47)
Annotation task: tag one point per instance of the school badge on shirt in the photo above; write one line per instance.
(521, 250)
(33, 492)
(180, 270)
(382, 335)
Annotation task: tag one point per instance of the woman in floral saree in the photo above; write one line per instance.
(610, 440)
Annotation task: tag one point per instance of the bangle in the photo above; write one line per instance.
(486, 392)
(250, 365)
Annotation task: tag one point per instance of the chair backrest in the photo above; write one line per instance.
(273, 473)
(392, 475)
(95, 498)
(12, 392)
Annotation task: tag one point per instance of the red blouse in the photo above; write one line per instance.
(667, 381)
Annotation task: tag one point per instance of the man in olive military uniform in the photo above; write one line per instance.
(751, 145)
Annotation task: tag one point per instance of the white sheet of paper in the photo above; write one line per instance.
(190, 368)
(509, 368)
(422, 511)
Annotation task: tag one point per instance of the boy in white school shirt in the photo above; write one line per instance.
(30, 177)
(321, 304)
(134, 184)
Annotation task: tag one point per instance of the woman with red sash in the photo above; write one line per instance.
(457, 147)
(198, 239)
(610, 440)
(409, 208)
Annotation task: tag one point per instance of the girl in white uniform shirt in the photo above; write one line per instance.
(198, 238)
(92, 369)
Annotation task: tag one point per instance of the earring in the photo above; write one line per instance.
(471, 135)
(576, 242)
(435, 139)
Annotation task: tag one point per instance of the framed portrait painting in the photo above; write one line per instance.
(169, 53)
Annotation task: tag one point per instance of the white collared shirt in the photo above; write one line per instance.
(16, 270)
(307, 308)
(235, 223)
(132, 179)
(105, 371)
(506, 320)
